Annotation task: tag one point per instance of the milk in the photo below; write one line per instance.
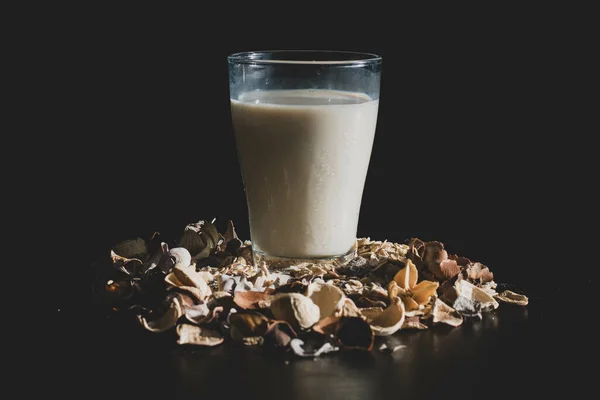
(304, 156)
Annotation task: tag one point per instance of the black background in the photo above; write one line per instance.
(459, 155)
(470, 150)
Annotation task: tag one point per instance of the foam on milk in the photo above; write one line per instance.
(304, 156)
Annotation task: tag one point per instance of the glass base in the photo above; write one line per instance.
(274, 263)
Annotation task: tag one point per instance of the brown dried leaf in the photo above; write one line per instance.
(444, 270)
(511, 297)
(252, 300)
(443, 313)
(390, 320)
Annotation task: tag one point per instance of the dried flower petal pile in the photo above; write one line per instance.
(206, 288)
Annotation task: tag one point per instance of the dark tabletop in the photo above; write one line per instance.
(513, 352)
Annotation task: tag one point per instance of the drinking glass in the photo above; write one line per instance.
(304, 124)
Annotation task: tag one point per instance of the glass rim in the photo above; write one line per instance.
(306, 57)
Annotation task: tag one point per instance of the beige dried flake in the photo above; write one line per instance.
(349, 309)
(197, 335)
(511, 297)
(296, 309)
(165, 322)
(473, 293)
(367, 248)
(390, 320)
(443, 313)
(329, 298)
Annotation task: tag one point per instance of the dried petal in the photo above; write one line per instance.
(166, 321)
(423, 291)
(197, 335)
(252, 300)
(407, 276)
(443, 313)
(390, 320)
(328, 298)
(409, 303)
(511, 297)
(296, 309)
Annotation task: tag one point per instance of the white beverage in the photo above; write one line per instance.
(304, 156)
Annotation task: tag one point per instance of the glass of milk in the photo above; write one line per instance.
(304, 125)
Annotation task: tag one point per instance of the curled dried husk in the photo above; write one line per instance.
(200, 238)
(329, 298)
(511, 297)
(166, 321)
(248, 327)
(129, 266)
(370, 313)
(198, 335)
(443, 313)
(471, 292)
(296, 309)
(354, 333)
(349, 309)
(390, 320)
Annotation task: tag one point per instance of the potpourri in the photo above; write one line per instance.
(206, 288)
